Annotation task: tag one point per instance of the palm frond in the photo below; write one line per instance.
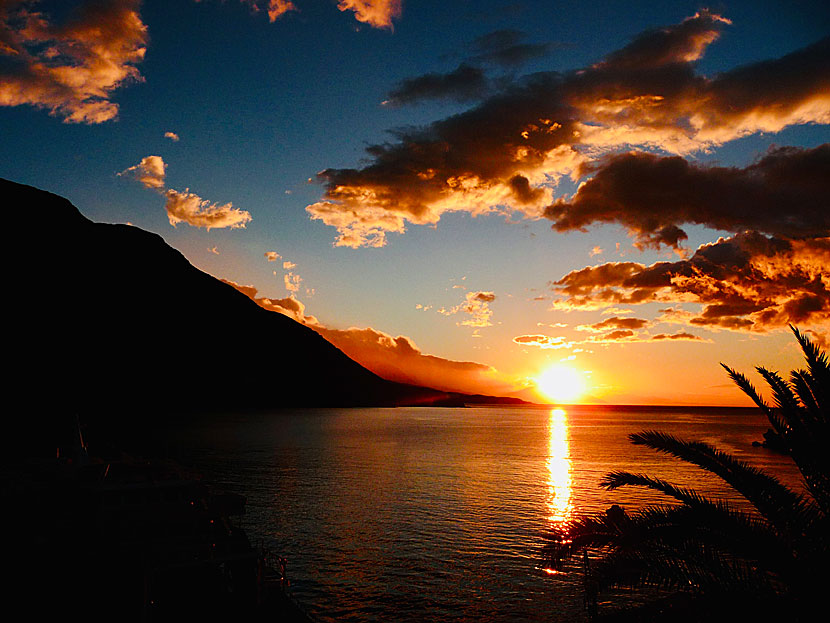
(616, 479)
(746, 386)
(774, 500)
(817, 364)
(801, 382)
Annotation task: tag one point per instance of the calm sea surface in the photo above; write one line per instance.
(423, 514)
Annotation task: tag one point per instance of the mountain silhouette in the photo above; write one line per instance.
(112, 325)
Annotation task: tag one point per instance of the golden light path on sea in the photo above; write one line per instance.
(559, 469)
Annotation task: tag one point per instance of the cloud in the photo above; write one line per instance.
(150, 172)
(682, 335)
(543, 341)
(505, 47)
(464, 84)
(292, 282)
(507, 153)
(278, 8)
(289, 265)
(469, 82)
(272, 256)
(745, 282)
(377, 13)
(172, 136)
(187, 207)
(619, 334)
(784, 193)
(822, 339)
(70, 68)
(394, 358)
(477, 305)
(614, 323)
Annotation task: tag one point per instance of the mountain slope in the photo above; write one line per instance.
(112, 323)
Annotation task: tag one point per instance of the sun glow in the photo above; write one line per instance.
(561, 384)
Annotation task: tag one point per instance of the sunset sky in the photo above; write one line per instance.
(458, 194)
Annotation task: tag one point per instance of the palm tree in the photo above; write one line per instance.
(769, 562)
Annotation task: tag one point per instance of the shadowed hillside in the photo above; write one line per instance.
(113, 324)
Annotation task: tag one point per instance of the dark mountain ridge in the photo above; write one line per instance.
(114, 325)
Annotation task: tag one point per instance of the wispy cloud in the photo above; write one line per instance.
(477, 306)
(507, 47)
(464, 84)
(172, 136)
(150, 172)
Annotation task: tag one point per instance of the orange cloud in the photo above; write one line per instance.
(292, 282)
(507, 153)
(394, 358)
(377, 13)
(70, 68)
(278, 8)
(682, 335)
(186, 207)
(477, 305)
(746, 282)
(150, 172)
(189, 208)
(172, 136)
(614, 323)
(543, 341)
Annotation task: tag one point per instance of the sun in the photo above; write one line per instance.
(561, 384)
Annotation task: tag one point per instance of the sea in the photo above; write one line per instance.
(440, 514)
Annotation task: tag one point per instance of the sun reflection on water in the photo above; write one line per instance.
(559, 469)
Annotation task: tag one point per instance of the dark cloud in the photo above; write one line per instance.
(464, 84)
(505, 47)
(658, 47)
(620, 334)
(615, 323)
(682, 335)
(785, 193)
(548, 125)
(748, 281)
